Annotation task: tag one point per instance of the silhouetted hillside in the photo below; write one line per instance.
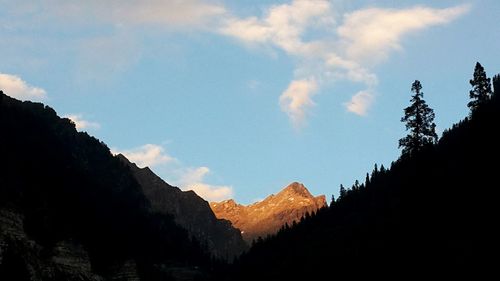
(69, 210)
(434, 212)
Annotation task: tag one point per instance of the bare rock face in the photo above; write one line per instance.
(189, 211)
(269, 215)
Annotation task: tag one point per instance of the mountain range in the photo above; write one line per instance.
(71, 210)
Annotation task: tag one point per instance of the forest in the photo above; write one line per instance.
(431, 212)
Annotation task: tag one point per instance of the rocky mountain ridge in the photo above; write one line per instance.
(269, 215)
(189, 211)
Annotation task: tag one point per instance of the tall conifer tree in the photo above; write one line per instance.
(419, 119)
(481, 88)
(496, 85)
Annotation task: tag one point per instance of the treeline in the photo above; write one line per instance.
(431, 212)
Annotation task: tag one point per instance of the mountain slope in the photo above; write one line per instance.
(189, 211)
(269, 215)
(69, 210)
(430, 214)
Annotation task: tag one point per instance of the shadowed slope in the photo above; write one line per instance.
(189, 211)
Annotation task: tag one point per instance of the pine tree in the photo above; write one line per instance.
(355, 186)
(481, 88)
(419, 119)
(375, 171)
(496, 86)
(342, 192)
(333, 200)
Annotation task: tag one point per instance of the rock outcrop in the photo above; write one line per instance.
(22, 258)
(189, 211)
(269, 215)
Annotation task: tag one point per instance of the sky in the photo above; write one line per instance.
(237, 99)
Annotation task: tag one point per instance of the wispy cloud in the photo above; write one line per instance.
(342, 48)
(16, 87)
(101, 57)
(81, 123)
(369, 35)
(171, 13)
(104, 37)
(176, 13)
(148, 155)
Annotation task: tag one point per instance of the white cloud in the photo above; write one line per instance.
(149, 155)
(14, 86)
(283, 25)
(341, 49)
(370, 34)
(193, 179)
(296, 100)
(81, 123)
(360, 102)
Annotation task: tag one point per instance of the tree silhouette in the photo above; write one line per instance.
(419, 119)
(333, 200)
(481, 88)
(355, 186)
(342, 192)
(496, 85)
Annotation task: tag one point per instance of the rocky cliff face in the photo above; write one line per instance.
(22, 258)
(191, 212)
(267, 216)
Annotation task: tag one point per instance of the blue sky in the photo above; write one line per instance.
(239, 98)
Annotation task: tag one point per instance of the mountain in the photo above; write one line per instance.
(189, 211)
(432, 213)
(269, 215)
(69, 210)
